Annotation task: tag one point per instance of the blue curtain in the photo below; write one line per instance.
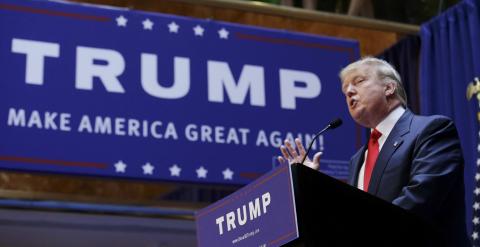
(404, 56)
(449, 62)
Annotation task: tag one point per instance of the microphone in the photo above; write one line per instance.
(332, 125)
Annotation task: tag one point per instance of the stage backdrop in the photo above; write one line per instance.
(106, 91)
(450, 85)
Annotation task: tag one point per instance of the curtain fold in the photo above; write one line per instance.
(404, 56)
(449, 63)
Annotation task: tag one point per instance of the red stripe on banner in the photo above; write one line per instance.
(26, 9)
(53, 162)
(250, 175)
(265, 39)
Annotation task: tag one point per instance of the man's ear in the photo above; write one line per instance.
(390, 88)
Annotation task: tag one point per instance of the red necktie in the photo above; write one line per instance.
(373, 149)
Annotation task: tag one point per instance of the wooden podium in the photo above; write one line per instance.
(308, 208)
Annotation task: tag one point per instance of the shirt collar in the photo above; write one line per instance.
(387, 124)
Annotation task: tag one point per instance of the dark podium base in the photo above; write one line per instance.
(332, 213)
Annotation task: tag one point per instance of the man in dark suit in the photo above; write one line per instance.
(412, 161)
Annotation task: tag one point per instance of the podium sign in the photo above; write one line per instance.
(265, 213)
(260, 214)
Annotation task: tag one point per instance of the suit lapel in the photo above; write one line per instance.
(394, 140)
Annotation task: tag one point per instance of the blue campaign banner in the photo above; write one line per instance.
(105, 91)
(260, 214)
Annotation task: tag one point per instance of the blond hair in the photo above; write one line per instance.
(385, 72)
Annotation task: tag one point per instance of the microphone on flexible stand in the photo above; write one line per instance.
(332, 125)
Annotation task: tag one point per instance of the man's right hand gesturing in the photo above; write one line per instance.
(295, 155)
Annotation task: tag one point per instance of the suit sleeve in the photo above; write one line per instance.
(436, 169)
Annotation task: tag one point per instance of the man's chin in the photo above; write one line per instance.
(359, 119)
(356, 114)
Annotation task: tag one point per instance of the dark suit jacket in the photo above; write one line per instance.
(420, 168)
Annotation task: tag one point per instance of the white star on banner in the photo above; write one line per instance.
(476, 206)
(227, 174)
(202, 172)
(148, 169)
(120, 166)
(475, 235)
(477, 191)
(477, 176)
(173, 27)
(478, 162)
(147, 24)
(223, 33)
(476, 220)
(175, 170)
(478, 147)
(121, 21)
(198, 30)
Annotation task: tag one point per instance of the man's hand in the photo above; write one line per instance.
(291, 155)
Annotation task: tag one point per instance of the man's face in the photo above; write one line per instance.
(366, 96)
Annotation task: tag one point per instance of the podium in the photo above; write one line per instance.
(298, 206)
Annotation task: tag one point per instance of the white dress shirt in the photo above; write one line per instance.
(385, 127)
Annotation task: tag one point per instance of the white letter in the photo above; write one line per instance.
(16, 118)
(265, 201)
(170, 131)
(36, 51)
(230, 221)
(103, 126)
(232, 136)
(65, 122)
(262, 138)
(149, 78)
(219, 134)
(85, 124)
(153, 129)
(119, 126)
(275, 139)
(49, 120)
(133, 126)
(87, 69)
(239, 215)
(206, 133)
(251, 78)
(145, 128)
(34, 120)
(288, 91)
(219, 223)
(244, 133)
(254, 209)
(191, 132)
